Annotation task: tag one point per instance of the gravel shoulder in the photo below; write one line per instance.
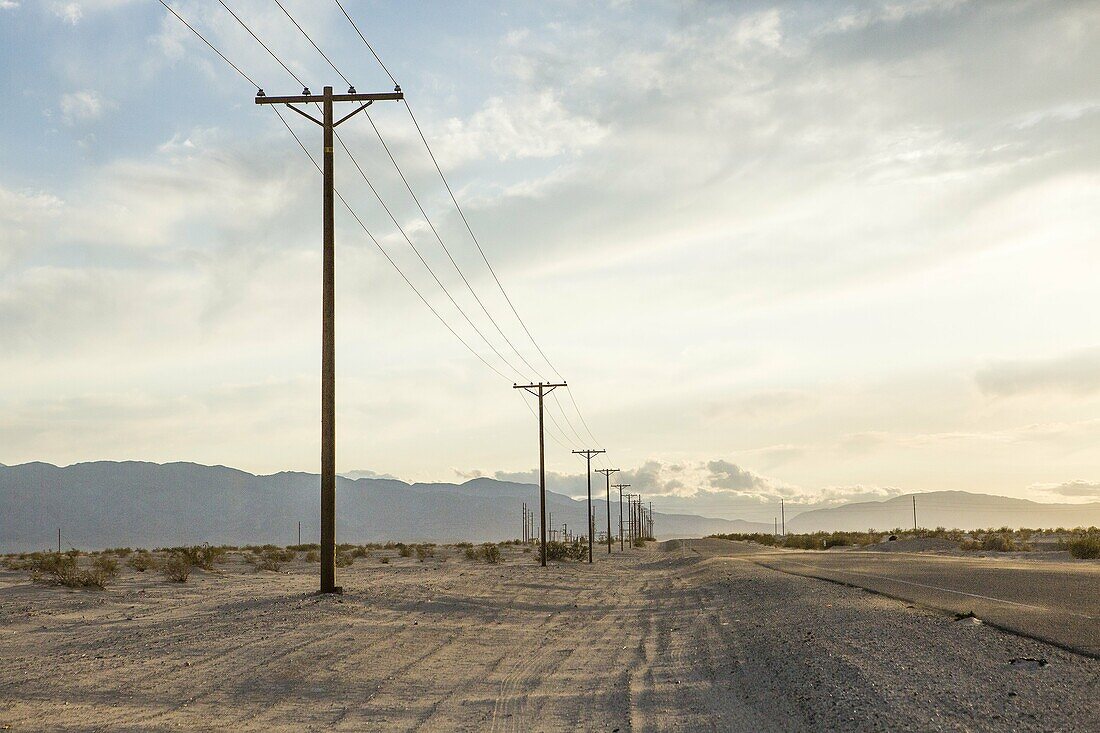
(644, 641)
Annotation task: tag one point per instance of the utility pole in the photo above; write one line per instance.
(328, 308)
(59, 540)
(620, 487)
(607, 475)
(588, 453)
(540, 390)
(914, 513)
(783, 513)
(299, 534)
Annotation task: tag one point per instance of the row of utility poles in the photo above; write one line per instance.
(638, 521)
(326, 103)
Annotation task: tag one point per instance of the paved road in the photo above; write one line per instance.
(1057, 602)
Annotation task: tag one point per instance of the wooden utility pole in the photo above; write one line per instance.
(914, 513)
(783, 515)
(328, 308)
(607, 475)
(620, 487)
(540, 390)
(588, 453)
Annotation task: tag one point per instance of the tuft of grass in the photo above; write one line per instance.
(344, 559)
(313, 556)
(384, 560)
(1085, 548)
(177, 568)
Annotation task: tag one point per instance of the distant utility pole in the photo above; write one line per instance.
(914, 513)
(607, 475)
(783, 513)
(620, 487)
(299, 534)
(588, 453)
(59, 540)
(540, 390)
(328, 308)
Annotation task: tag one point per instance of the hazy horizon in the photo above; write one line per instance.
(779, 250)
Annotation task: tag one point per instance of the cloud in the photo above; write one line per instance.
(81, 106)
(534, 125)
(1072, 488)
(1074, 374)
(726, 475)
(69, 12)
(8, 5)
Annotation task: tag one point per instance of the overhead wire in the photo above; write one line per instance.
(323, 55)
(470, 231)
(368, 182)
(423, 213)
(336, 191)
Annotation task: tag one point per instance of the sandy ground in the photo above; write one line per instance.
(646, 641)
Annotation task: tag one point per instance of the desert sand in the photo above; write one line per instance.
(648, 640)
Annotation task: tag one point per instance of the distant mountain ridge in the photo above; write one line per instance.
(140, 504)
(951, 509)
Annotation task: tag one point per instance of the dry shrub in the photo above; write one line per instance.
(313, 556)
(1085, 548)
(142, 561)
(424, 551)
(360, 552)
(384, 560)
(404, 550)
(177, 568)
(489, 553)
(63, 569)
(344, 559)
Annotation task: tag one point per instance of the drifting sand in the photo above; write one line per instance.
(644, 641)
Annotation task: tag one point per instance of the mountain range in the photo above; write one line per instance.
(138, 504)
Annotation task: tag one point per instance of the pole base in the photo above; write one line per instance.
(336, 590)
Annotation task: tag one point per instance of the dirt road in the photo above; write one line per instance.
(645, 641)
(1058, 602)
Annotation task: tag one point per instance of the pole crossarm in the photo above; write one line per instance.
(539, 389)
(318, 98)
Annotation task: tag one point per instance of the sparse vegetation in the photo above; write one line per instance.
(489, 553)
(471, 553)
(384, 560)
(1085, 548)
(199, 556)
(64, 569)
(177, 568)
(423, 552)
(344, 559)
(313, 556)
(142, 560)
(404, 550)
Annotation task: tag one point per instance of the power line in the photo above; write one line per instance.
(369, 184)
(272, 53)
(367, 43)
(439, 239)
(326, 58)
(348, 206)
(208, 43)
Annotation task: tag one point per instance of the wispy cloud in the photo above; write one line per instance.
(1077, 374)
(82, 106)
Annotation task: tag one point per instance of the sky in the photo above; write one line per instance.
(815, 251)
